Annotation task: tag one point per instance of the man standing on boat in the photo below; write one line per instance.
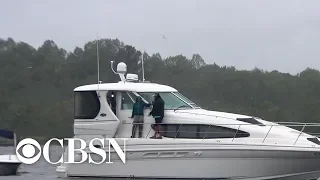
(158, 113)
(137, 114)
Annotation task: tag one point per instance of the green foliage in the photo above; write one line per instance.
(36, 85)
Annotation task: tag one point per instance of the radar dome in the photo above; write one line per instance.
(122, 68)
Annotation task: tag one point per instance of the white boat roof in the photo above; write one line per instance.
(127, 86)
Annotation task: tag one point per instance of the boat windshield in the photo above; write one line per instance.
(171, 100)
(186, 99)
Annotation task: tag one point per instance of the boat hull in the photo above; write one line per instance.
(9, 165)
(222, 163)
(9, 169)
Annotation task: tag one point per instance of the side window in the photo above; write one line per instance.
(86, 105)
(170, 130)
(171, 101)
(127, 100)
(200, 131)
(188, 131)
(147, 96)
(212, 132)
(251, 121)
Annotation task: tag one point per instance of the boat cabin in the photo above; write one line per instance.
(105, 109)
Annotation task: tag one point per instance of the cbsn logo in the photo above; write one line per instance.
(28, 151)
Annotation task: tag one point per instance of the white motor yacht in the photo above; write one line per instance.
(9, 163)
(196, 143)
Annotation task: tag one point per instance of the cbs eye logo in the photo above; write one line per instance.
(28, 151)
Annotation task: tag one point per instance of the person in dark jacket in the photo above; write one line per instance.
(137, 114)
(158, 113)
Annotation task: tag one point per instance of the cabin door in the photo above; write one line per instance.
(125, 100)
(148, 120)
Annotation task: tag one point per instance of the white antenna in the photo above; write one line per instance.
(98, 66)
(112, 68)
(142, 68)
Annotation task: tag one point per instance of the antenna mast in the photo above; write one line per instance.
(142, 68)
(98, 66)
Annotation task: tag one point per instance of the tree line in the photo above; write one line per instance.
(36, 84)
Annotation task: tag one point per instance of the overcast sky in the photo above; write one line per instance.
(271, 34)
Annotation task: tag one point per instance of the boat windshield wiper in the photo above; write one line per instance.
(180, 107)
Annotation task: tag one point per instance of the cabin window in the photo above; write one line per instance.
(314, 140)
(127, 100)
(209, 132)
(147, 96)
(169, 130)
(86, 105)
(200, 131)
(251, 121)
(186, 99)
(188, 131)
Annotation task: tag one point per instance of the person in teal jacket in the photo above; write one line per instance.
(138, 115)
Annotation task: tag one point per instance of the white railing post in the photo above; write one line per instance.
(177, 132)
(267, 134)
(149, 130)
(236, 133)
(206, 132)
(300, 134)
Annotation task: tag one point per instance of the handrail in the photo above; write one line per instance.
(216, 116)
(285, 122)
(240, 127)
(236, 124)
(302, 123)
(242, 124)
(237, 131)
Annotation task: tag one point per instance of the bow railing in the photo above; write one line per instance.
(207, 131)
(298, 127)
